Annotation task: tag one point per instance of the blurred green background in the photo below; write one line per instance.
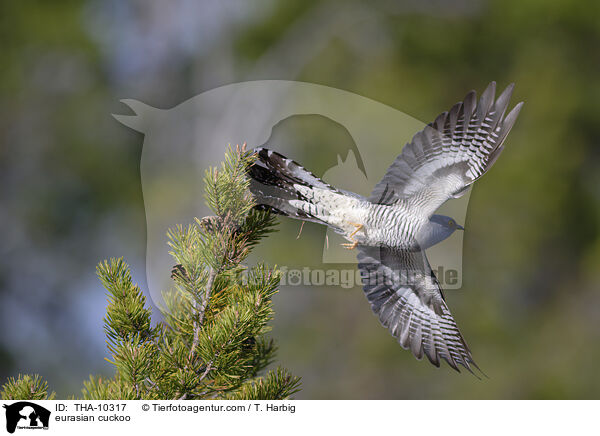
(70, 192)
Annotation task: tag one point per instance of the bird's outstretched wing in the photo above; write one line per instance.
(404, 293)
(446, 157)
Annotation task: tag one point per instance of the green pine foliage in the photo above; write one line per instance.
(212, 343)
(26, 387)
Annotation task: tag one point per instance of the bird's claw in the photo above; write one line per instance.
(358, 229)
(350, 246)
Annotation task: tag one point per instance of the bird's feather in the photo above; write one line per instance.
(405, 294)
(451, 153)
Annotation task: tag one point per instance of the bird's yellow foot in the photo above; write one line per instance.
(358, 229)
(350, 246)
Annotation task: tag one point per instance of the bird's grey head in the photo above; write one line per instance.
(438, 228)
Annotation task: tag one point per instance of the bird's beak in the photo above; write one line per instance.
(459, 227)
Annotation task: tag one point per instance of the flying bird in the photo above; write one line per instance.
(392, 228)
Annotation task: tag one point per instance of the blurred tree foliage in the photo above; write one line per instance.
(56, 201)
(530, 304)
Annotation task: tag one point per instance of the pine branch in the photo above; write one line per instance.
(278, 384)
(212, 342)
(26, 387)
(212, 274)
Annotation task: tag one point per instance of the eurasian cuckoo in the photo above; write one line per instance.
(396, 223)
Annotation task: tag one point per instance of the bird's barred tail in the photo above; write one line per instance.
(285, 187)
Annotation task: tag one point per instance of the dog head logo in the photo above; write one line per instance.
(26, 415)
(182, 142)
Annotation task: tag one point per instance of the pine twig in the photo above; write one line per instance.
(212, 274)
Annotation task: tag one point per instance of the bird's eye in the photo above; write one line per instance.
(450, 223)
